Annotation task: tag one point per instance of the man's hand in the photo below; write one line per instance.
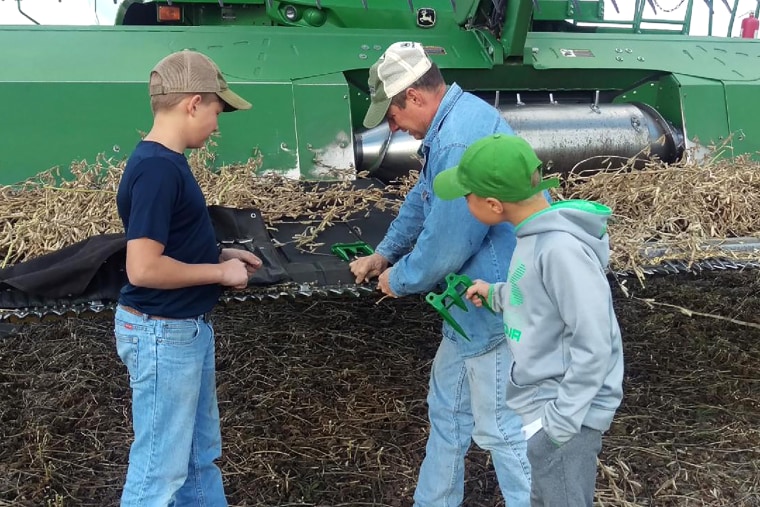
(368, 267)
(384, 285)
(478, 288)
(252, 263)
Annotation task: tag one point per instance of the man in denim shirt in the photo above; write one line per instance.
(429, 239)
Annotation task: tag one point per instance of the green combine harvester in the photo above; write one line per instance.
(581, 88)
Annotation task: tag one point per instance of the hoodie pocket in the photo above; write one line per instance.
(520, 395)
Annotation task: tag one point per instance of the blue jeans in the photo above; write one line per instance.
(467, 401)
(175, 415)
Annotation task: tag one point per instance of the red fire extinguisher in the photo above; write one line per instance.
(750, 25)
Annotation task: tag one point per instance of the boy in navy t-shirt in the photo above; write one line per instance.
(176, 274)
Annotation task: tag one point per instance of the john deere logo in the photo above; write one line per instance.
(425, 17)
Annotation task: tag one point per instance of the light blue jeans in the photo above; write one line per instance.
(175, 415)
(467, 401)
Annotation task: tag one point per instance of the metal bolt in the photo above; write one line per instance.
(619, 58)
(365, 47)
(640, 58)
(362, 56)
(618, 50)
(116, 148)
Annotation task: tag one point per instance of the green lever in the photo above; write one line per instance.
(452, 296)
(347, 251)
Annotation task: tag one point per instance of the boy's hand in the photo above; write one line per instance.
(478, 288)
(234, 274)
(368, 267)
(252, 263)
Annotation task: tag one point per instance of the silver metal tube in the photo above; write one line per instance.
(565, 136)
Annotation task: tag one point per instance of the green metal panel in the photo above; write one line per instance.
(126, 54)
(516, 26)
(59, 123)
(743, 117)
(53, 124)
(323, 125)
(705, 111)
(90, 93)
(589, 11)
(725, 59)
(328, 15)
(663, 94)
(711, 112)
(267, 128)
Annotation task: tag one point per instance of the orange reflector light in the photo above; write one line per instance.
(169, 13)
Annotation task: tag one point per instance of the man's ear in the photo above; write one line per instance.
(414, 96)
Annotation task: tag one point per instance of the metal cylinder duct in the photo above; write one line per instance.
(565, 137)
(386, 155)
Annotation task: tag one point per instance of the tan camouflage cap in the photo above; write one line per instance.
(192, 72)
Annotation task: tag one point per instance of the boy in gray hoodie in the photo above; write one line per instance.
(566, 376)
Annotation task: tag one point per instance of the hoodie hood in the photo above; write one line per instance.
(586, 220)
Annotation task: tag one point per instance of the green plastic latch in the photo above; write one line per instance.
(453, 296)
(347, 251)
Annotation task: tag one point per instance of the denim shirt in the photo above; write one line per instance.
(431, 238)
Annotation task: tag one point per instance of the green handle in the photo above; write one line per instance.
(452, 296)
(347, 251)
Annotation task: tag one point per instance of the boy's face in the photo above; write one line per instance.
(204, 116)
(486, 209)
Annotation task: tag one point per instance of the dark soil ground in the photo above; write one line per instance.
(323, 403)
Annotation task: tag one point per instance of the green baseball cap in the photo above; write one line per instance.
(398, 68)
(499, 166)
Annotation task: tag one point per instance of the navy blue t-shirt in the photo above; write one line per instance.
(158, 198)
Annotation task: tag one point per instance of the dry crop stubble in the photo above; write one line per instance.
(323, 403)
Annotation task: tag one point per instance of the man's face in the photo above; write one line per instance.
(414, 118)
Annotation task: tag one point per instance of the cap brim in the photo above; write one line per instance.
(447, 187)
(233, 101)
(547, 184)
(376, 113)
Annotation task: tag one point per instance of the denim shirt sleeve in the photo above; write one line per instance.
(405, 228)
(438, 252)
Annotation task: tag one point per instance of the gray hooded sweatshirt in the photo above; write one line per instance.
(567, 367)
